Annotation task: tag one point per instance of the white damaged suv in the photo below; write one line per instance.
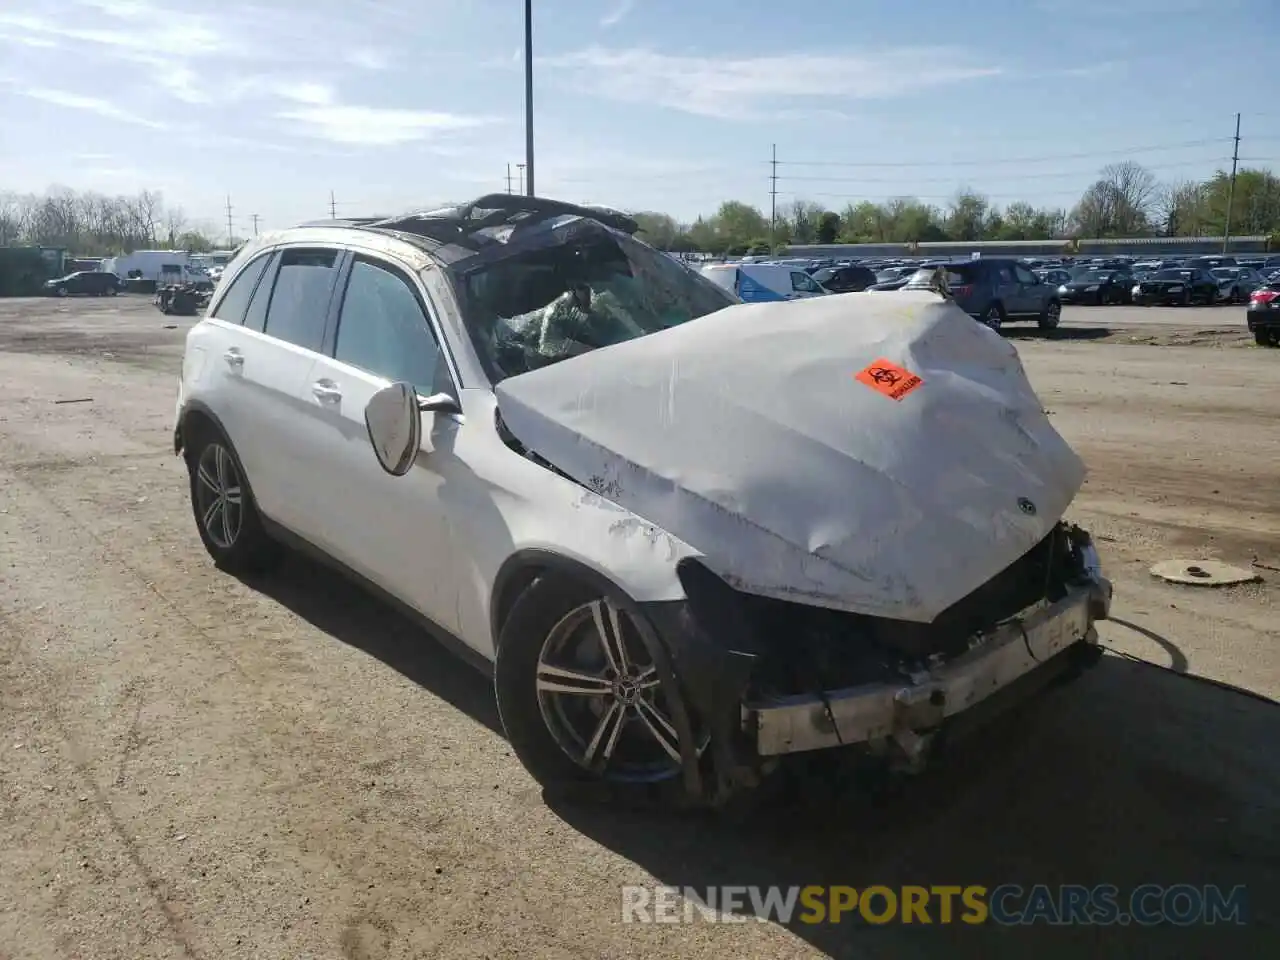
(684, 535)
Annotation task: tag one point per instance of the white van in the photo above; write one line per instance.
(170, 266)
(758, 282)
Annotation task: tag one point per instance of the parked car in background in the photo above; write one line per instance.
(850, 279)
(996, 290)
(93, 283)
(763, 282)
(668, 527)
(1179, 286)
(1263, 316)
(1235, 284)
(1097, 287)
(1208, 263)
(1054, 276)
(893, 274)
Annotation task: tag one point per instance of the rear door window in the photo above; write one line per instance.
(235, 302)
(300, 297)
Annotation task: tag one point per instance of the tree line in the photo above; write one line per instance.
(1126, 200)
(91, 224)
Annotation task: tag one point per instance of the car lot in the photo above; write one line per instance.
(200, 766)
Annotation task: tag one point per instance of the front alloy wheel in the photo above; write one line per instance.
(600, 697)
(1052, 315)
(219, 496)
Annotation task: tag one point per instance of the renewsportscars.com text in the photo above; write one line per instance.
(1008, 904)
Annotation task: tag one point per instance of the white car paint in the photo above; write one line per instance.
(436, 538)
(748, 433)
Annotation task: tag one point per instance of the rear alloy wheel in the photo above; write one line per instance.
(581, 698)
(1051, 316)
(222, 502)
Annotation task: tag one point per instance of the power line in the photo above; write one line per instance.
(254, 217)
(333, 207)
(230, 238)
(1120, 151)
(1092, 171)
(1231, 190)
(773, 201)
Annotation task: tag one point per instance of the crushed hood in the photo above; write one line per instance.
(790, 444)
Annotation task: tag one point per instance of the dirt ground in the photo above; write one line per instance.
(196, 767)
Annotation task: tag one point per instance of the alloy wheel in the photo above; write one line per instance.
(219, 495)
(601, 698)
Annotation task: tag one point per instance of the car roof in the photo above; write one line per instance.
(454, 233)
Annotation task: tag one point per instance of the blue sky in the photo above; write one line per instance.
(649, 104)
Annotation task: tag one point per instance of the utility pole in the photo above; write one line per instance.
(230, 239)
(333, 207)
(773, 202)
(528, 90)
(508, 178)
(254, 216)
(520, 167)
(1231, 190)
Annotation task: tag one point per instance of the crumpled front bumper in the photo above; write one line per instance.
(902, 712)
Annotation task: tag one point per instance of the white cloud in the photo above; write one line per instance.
(192, 34)
(618, 13)
(367, 58)
(25, 40)
(374, 126)
(742, 87)
(75, 101)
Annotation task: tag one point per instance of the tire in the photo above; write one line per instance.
(1051, 315)
(241, 545)
(1262, 338)
(555, 626)
(112, 291)
(61, 291)
(993, 317)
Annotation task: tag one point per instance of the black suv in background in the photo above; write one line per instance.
(995, 290)
(847, 279)
(96, 283)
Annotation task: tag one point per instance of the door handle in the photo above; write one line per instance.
(234, 357)
(326, 391)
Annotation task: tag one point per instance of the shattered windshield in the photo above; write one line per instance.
(575, 289)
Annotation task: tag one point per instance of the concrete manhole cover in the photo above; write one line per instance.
(1203, 573)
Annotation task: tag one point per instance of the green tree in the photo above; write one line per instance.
(738, 224)
(1255, 208)
(657, 229)
(967, 218)
(829, 227)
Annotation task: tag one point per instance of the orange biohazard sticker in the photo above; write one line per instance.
(888, 378)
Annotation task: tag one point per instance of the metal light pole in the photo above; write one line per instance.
(520, 168)
(528, 94)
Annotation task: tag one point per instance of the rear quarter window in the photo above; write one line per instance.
(235, 302)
